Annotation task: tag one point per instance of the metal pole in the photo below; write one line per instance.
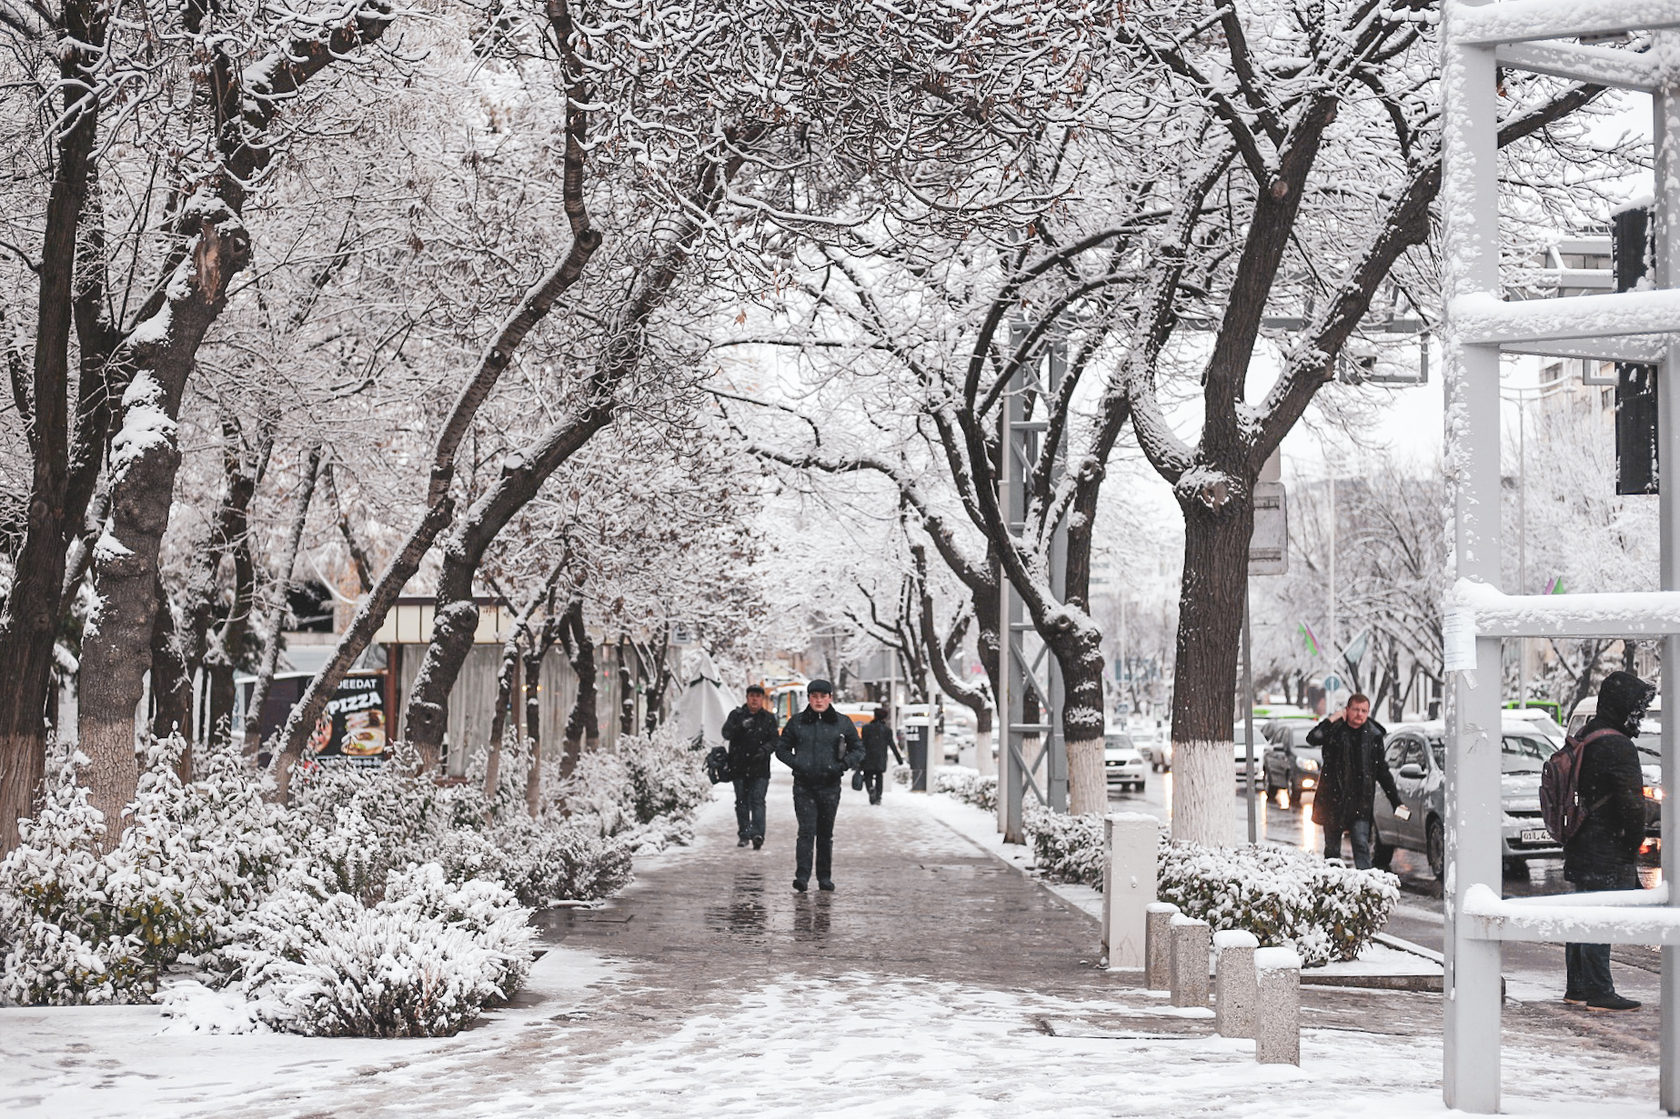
(1330, 579)
(1248, 714)
(1470, 214)
(1522, 541)
(1666, 212)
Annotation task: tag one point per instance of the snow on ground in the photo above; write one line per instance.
(599, 1035)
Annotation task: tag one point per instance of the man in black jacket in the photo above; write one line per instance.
(750, 731)
(1353, 767)
(877, 740)
(819, 744)
(1604, 853)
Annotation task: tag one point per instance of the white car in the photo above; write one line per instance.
(1122, 763)
(1243, 772)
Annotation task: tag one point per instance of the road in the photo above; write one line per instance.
(1533, 972)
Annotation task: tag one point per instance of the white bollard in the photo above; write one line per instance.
(1157, 945)
(1235, 986)
(1132, 843)
(1190, 941)
(1277, 1033)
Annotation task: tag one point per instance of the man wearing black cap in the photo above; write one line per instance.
(819, 744)
(1603, 854)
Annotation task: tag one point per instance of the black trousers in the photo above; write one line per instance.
(1587, 966)
(873, 780)
(815, 806)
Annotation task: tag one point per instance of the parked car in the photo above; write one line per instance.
(1243, 773)
(1649, 744)
(1122, 763)
(1290, 761)
(1417, 756)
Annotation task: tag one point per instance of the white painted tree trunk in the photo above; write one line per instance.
(1087, 784)
(1203, 775)
(983, 760)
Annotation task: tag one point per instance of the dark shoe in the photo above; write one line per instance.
(742, 842)
(828, 884)
(758, 841)
(1612, 1002)
(1574, 1000)
(799, 884)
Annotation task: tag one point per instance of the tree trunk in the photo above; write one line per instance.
(533, 724)
(583, 728)
(275, 616)
(172, 699)
(626, 687)
(505, 674)
(1217, 527)
(661, 683)
(29, 622)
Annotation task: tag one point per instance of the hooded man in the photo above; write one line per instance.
(819, 744)
(1603, 854)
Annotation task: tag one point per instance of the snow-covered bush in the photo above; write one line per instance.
(1065, 848)
(422, 962)
(543, 862)
(78, 924)
(1327, 911)
(1281, 895)
(967, 786)
(642, 780)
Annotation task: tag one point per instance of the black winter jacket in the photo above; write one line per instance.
(1353, 768)
(820, 748)
(752, 739)
(877, 740)
(1612, 788)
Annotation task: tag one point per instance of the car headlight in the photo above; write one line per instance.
(1653, 792)
(1307, 765)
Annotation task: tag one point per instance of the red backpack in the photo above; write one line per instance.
(1560, 787)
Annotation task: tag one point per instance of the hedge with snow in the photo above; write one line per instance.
(380, 903)
(1325, 910)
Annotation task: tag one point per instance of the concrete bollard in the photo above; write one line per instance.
(1132, 843)
(1190, 941)
(1157, 945)
(1277, 1032)
(1235, 987)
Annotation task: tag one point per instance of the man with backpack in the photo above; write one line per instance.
(750, 731)
(1601, 848)
(1353, 767)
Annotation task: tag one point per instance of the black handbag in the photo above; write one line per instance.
(857, 780)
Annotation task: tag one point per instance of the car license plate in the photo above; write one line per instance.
(1536, 835)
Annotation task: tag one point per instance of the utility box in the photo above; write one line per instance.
(916, 747)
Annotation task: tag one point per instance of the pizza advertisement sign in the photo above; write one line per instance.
(352, 729)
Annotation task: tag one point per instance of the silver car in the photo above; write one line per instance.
(1122, 763)
(1417, 757)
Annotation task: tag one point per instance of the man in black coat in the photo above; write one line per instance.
(819, 744)
(1353, 767)
(877, 740)
(1604, 853)
(750, 731)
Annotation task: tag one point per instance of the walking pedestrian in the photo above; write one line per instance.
(1603, 854)
(819, 744)
(750, 731)
(1353, 767)
(877, 740)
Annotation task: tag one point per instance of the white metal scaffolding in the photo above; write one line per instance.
(1540, 36)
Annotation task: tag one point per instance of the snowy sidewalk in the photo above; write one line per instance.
(937, 981)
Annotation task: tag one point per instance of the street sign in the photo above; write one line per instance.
(1332, 683)
(1268, 546)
